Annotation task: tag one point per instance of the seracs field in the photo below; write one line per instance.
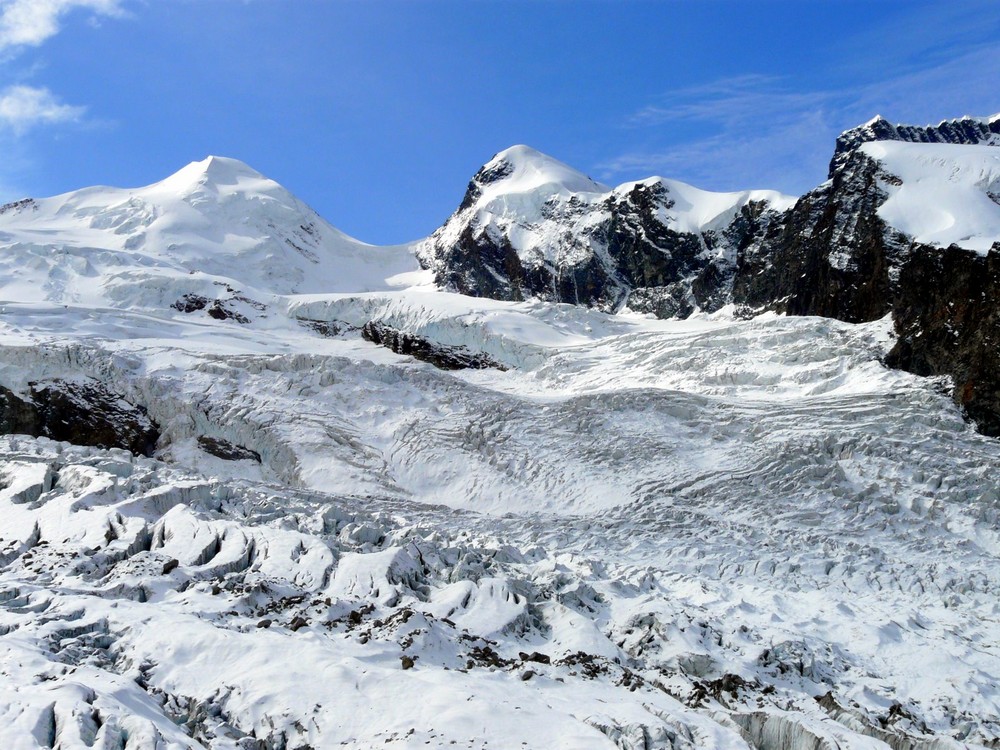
(265, 486)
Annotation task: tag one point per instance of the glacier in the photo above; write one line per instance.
(620, 532)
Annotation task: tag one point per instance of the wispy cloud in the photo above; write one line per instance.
(735, 99)
(23, 107)
(26, 24)
(29, 23)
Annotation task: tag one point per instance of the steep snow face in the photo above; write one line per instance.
(941, 194)
(214, 223)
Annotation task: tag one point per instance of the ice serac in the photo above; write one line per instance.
(531, 227)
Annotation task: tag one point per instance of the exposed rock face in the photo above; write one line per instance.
(830, 255)
(948, 322)
(445, 357)
(79, 413)
(833, 255)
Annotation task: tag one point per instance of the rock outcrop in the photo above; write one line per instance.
(829, 255)
(412, 345)
(948, 323)
(79, 413)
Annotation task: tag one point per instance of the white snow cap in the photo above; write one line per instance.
(217, 172)
(532, 170)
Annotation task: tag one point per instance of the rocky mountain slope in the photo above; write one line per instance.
(268, 487)
(530, 227)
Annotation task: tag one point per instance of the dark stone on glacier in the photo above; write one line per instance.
(81, 413)
(445, 357)
(170, 566)
(406, 662)
(225, 450)
(217, 309)
(535, 656)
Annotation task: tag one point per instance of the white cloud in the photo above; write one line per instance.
(28, 23)
(23, 107)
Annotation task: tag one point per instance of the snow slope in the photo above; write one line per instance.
(940, 193)
(631, 533)
(215, 222)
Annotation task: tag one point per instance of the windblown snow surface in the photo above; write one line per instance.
(711, 533)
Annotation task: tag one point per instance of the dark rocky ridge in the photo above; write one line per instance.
(948, 323)
(79, 413)
(829, 255)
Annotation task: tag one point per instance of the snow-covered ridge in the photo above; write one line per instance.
(538, 201)
(962, 131)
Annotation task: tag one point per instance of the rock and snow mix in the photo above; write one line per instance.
(612, 531)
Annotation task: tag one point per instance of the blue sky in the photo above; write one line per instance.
(378, 113)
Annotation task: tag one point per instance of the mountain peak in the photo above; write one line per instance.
(215, 171)
(522, 169)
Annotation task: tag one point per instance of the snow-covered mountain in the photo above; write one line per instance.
(216, 223)
(263, 486)
(530, 226)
